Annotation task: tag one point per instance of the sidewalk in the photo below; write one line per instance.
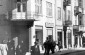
(67, 51)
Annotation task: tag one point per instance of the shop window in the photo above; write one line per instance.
(49, 32)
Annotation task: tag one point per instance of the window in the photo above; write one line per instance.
(18, 0)
(49, 31)
(59, 13)
(21, 0)
(38, 6)
(80, 20)
(49, 8)
(24, 7)
(80, 23)
(21, 5)
(80, 3)
(69, 13)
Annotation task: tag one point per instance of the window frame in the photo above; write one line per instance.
(49, 9)
(38, 3)
(21, 6)
(59, 13)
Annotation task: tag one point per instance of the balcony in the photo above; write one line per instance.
(66, 3)
(68, 22)
(22, 16)
(77, 10)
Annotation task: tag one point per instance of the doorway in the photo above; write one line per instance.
(60, 37)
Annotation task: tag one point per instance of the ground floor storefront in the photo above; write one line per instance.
(73, 38)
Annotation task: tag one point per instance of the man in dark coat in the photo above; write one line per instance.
(35, 49)
(46, 46)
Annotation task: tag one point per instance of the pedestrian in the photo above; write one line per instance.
(35, 50)
(46, 46)
(4, 47)
(59, 45)
(11, 47)
(56, 47)
(53, 46)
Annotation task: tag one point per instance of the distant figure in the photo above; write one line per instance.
(56, 47)
(35, 50)
(4, 48)
(59, 45)
(11, 47)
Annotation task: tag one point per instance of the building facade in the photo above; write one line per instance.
(59, 21)
(26, 20)
(73, 26)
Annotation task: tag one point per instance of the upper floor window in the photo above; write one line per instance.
(21, 0)
(18, 0)
(21, 5)
(49, 8)
(80, 20)
(80, 3)
(38, 6)
(59, 13)
(69, 14)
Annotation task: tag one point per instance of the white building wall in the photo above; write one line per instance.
(42, 19)
(58, 22)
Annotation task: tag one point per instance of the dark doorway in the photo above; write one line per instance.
(60, 37)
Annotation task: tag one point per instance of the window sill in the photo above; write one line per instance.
(38, 15)
(49, 16)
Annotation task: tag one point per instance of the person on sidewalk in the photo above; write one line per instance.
(4, 47)
(45, 46)
(59, 45)
(35, 50)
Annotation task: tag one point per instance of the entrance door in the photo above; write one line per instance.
(60, 37)
(83, 41)
(39, 35)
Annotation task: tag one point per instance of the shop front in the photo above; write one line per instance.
(49, 29)
(20, 35)
(60, 38)
(69, 38)
(39, 33)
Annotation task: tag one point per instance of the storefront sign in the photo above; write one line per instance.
(38, 27)
(49, 24)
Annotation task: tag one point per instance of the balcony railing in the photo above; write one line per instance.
(68, 22)
(66, 3)
(77, 10)
(15, 16)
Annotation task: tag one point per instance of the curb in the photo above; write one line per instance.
(71, 52)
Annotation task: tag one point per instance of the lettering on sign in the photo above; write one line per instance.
(49, 24)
